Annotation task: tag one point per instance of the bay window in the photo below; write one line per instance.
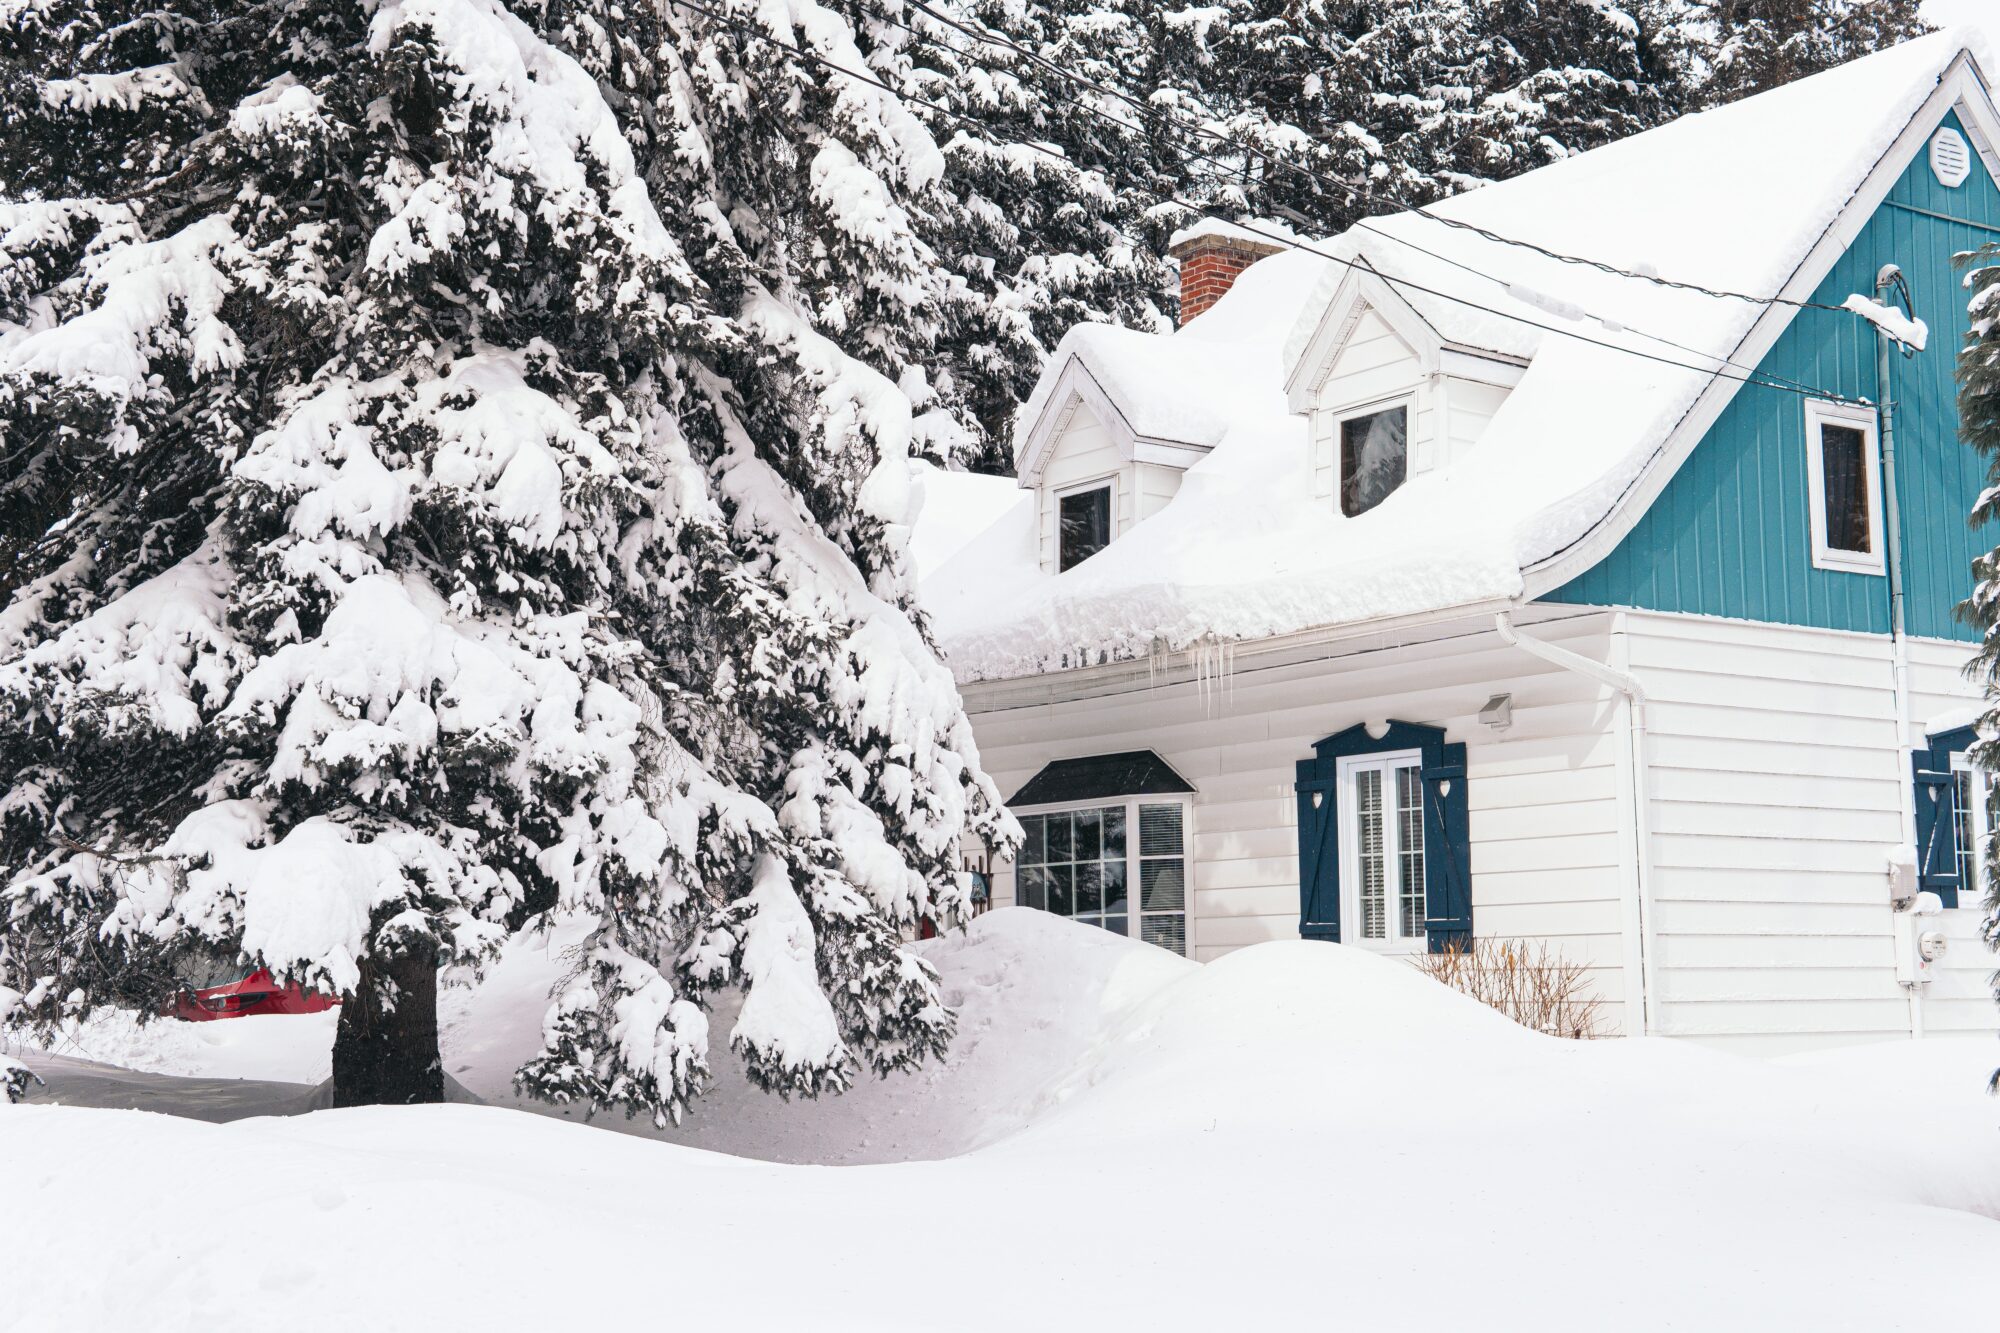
(1105, 844)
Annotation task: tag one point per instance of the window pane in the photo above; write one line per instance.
(1369, 830)
(1031, 840)
(1114, 833)
(1089, 887)
(1086, 525)
(1115, 924)
(1968, 851)
(1114, 886)
(1058, 838)
(1161, 887)
(1159, 830)
(1088, 838)
(1063, 889)
(1843, 455)
(1031, 888)
(1169, 932)
(1410, 850)
(1374, 458)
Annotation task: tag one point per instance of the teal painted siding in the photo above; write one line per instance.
(1730, 534)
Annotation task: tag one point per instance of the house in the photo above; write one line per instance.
(1428, 584)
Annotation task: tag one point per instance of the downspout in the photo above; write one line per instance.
(1886, 281)
(1634, 695)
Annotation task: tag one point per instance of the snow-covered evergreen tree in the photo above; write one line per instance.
(1048, 185)
(463, 455)
(1979, 426)
(1410, 100)
(1752, 46)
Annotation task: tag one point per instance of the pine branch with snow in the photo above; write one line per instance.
(1979, 426)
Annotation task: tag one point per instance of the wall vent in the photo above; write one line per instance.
(1951, 160)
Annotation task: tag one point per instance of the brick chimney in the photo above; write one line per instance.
(1212, 253)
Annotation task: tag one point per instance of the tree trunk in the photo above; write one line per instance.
(385, 1052)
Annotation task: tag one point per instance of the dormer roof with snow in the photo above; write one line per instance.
(1170, 398)
(1556, 398)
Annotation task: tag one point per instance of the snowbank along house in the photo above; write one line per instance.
(1435, 587)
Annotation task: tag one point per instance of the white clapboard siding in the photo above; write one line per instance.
(1469, 406)
(1550, 841)
(1154, 485)
(1778, 786)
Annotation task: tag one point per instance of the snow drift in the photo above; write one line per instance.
(1298, 1131)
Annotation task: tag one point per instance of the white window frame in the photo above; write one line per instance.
(1341, 416)
(1980, 783)
(1132, 858)
(1820, 413)
(1109, 483)
(1348, 811)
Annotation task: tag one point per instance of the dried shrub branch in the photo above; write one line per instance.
(1529, 982)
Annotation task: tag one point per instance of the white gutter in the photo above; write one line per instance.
(1635, 704)
(1886, 280)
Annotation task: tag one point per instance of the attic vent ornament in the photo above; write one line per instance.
(1951, 159)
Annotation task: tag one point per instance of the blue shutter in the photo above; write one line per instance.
(1319, 854)
(1447, 847)
(1447, 850)
(1937, 831)
(1935, 794)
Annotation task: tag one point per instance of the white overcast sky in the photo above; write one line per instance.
(1964, 11)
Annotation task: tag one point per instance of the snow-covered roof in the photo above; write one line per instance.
(1620, 379)
(1186, 388)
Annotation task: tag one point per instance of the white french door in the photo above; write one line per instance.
(1382, 851)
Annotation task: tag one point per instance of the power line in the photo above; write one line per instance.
(1286, 242)
(1775, 380)
(1356, 191)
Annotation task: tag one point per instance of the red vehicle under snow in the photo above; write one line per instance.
(258, 993)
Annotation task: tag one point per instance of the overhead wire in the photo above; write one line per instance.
(1277, 239)
(1354, 189)
(999, 40)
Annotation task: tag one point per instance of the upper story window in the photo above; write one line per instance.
(1085, 520)
(1843, 461)
(1374, 457)
(1105, 844)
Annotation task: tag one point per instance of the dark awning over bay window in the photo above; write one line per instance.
(1100, 777)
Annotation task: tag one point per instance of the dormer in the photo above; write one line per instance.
(1388, 395)
(1116, 421)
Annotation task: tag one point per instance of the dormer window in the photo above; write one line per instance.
(1085, 520)
(1374, 456)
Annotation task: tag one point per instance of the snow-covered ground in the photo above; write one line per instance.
(1299, 1134)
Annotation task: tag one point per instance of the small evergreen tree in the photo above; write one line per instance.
(464, 458)
(1979, 426)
